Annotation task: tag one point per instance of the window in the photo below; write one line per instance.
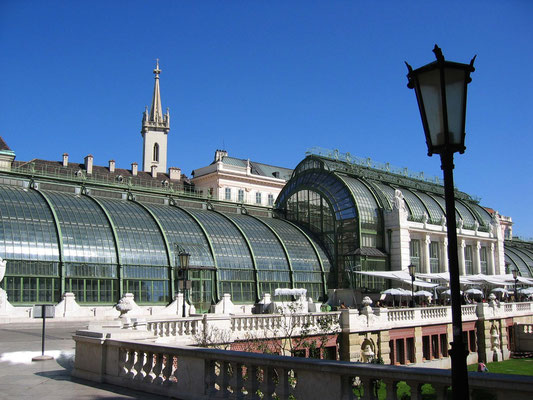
(241, 196)
(270, 200)
(434, 257)
(415, 253)
(468, 260)
(483, 260)
(228, 194)
(258, 198)
(156, 152)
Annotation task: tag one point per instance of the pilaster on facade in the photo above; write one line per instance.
(396, 223)
(491, 260)
(444, 255)
(461, 256)
(477, 258)
(426, 269)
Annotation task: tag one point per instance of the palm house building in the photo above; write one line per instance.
(99, 232)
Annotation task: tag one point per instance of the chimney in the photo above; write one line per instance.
(134, 168)
(174, 173)
(111, 165)
(65, 159)
(219, 154)
(89, 164)
(154, 171)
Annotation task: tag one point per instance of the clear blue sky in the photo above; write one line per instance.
(269, 79)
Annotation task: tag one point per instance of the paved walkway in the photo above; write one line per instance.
(20, 378)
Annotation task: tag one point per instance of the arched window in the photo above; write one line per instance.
(156, 152)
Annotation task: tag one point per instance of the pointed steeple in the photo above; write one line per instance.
(155, 128)
(156, 119)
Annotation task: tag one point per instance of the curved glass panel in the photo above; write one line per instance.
(439, 199)
(234, 261)
(308, 163)
(181, 228)
(87, 235)
(525, 256)
(27, 227)
(467, 216)
(301, 253)
(328, 184)
(271, 261)
(417, 207)
(305, 265)
(435, 212)
(366, 204)
(387, 191)
(484, 214)
(140, 241)
(516, 261)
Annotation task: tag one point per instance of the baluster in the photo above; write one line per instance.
(269, 385)
(440, 391)
(167, 369)
(138, 366)
(416, 390)
(391, 389)
(130, 354)
(122, 362)
(282, 388)
(368, 388)
(236, 382)
(158, 369)
(147, 368)
(252, 383)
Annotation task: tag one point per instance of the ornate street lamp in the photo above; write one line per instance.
(183, 267)
(412, 269)
(515, 277)
(440, 89)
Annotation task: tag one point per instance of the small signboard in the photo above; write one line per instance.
(49, 310)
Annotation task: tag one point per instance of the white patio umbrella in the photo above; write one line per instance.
(396, 292)
(424, 293)
(474, 291)
(500, 290)
(526, 291)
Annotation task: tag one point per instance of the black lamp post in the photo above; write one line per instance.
(440, 89)
(515, 277)
(412, 269)
(183, 266)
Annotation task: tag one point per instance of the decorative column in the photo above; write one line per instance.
(461, 251)
(425, 267)
(444, 257)
(477, 258)
(490, 260)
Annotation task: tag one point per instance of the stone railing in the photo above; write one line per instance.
(182, 327)
(200, 373)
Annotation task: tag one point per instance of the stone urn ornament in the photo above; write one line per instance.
(124, 305)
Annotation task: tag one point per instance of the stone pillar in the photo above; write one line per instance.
(461, 250)
(445, 265)
(384, 347)
(425, 267)
(477, 258)
(490, 260)
(419, 348)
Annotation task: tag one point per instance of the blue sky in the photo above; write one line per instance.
(268, 80)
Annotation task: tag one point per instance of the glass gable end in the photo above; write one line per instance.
(366, 204)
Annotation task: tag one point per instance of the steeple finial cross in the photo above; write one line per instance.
(157, 71)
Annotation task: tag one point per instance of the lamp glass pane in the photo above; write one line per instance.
(431, 98)
(455, 100)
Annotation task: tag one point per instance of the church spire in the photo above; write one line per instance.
(155, 127)
(156, 119)
(156, 114)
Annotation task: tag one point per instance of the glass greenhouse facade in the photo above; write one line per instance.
(99, 246)
(343, 202)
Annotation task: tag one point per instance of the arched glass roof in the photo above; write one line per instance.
(28, 229)
(439, 199)
(181, 228)
(331, 186)
(366, 203)
(435, 211)
(516, 260)
(466, 214)
(231, 250)
(415, 204)
(139, 237)
(86, 232)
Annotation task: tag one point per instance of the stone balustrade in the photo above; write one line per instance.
(200, 373)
